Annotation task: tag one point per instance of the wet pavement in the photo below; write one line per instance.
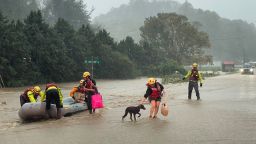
(226, 114)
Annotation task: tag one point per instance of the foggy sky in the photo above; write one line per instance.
(231, 9)
(103, 6)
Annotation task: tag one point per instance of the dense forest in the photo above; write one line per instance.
(35, 50)
(74, 12)
(230, 39)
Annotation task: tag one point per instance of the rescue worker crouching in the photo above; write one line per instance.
(78, 93)
(194, 76)
(30, 95)
(90, 89)
(154, 93)
(53, 96)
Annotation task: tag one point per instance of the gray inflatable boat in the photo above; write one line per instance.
(36, 111)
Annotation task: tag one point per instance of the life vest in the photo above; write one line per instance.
(155, 93)
(194, 75)
(81, 89)
(89, 84)
(25, 94)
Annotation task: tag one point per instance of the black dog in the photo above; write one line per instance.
(133, 110)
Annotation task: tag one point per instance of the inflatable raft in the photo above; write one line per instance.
(35, 111)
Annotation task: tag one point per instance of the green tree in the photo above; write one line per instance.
(15, 55)
(113, 63)
(18, 55)
(36, 31)
(174, 37)
(5, 67)
(133, 50)
(73, 11)
(17, 9)
(230, 39)
(78, 44)
(85, 44)
(48, 51)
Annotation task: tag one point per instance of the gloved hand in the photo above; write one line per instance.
(201, 84)
(183, 78)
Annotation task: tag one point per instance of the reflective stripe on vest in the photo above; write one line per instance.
(52, 87)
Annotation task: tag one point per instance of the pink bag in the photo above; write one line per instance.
(97, 101)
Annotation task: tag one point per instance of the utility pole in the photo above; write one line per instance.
(92, 61)
(92, 66)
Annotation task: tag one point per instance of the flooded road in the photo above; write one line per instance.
(226, 114)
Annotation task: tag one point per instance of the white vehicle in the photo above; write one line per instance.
(247, 69)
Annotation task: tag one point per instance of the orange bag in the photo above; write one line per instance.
(164, 109)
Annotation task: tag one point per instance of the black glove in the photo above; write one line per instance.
(201, 84)
(183, 78)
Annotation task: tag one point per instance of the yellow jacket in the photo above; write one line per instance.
(43, 97)
(189, 74)
(31, 96)
(59, 91)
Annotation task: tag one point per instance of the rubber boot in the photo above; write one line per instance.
(58, 113)
(48, 114)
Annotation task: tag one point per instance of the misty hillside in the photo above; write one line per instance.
(230, 39)
(74, 11)
(127, 19)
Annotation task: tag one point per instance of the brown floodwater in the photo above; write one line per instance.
(226, 114)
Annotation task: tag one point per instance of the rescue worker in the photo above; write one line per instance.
(53, 96)
(79, 90)
(154, 93)
(194, 76)
(30, 95)
(90, 88)
(87, 76)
